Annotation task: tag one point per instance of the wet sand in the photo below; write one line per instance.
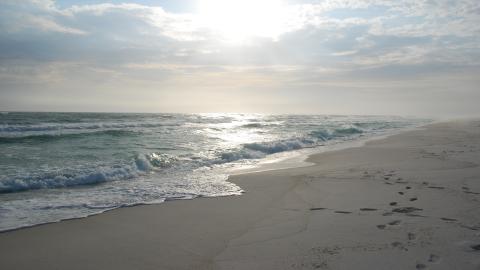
(409, 201)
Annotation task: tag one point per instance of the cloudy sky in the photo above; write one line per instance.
(404, 57)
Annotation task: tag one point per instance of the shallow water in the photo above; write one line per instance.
(56, 166)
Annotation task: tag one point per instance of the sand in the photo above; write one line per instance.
(409, 201)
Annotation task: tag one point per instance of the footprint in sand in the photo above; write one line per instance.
(368, 209)
(468, 191)
(406, 209)
(448, 219)
(395, 222)
(415, 215)
(391, 223)
(433, 258)
(342, 212)
(420, 266)
(436, 187)
(476, 247)
(473, 228)
(399, 245)
(366, 175)
(400, 181)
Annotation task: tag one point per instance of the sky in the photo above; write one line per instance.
(403, 57)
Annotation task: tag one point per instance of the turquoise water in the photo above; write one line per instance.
(55, 166)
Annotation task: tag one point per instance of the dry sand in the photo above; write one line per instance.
(410, 201)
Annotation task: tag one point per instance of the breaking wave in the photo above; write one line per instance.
(79, 126)
(54, 137)
(70, 178)
(143, 164)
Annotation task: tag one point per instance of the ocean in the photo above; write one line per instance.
(56, 166)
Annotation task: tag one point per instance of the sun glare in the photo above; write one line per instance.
(239, 20)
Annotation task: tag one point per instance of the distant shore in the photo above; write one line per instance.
(409, 201)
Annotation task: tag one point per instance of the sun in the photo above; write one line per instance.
(239, 20)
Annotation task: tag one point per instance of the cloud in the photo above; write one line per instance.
(337, 28)
(32, 15)
(47, 25)
(331, 44)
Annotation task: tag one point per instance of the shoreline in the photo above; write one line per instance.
(302, 155)
(278, 161)
(293, 218)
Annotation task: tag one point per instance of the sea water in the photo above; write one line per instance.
(56, 166)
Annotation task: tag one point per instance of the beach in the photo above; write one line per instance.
(408, 201)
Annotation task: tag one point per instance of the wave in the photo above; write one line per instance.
(321, 134)
(273, 147)
(161, 160)
(52, 137)
(260, 125)
(79, 126)
(260, 150)
(347, 131)
(63, 180)
(326, 135)
(145, 163)
(240, 154)
(153, 161)
(253, 125)
(141, 165)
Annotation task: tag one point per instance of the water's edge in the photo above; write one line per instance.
(283, 161)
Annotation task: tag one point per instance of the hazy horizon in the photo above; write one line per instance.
(223, 113)
(365, 57)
